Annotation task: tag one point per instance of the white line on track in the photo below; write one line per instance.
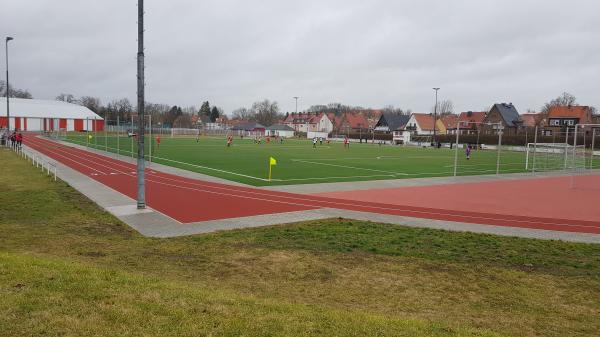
(339, 203)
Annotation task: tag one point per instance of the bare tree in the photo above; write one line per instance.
(445, 107)
(243, 114)
(92, 103)
(14, 93)
(69, 98)
(267, 112)
(183, 121)
(565, 99)
(392, 109)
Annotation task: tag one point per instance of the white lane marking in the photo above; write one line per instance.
(357, 204)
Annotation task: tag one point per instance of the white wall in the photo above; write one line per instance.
(34, 124)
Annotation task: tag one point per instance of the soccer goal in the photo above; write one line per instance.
(543, 157)
(184, 132)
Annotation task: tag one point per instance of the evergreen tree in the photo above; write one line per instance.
(214, 114)
(205, 109)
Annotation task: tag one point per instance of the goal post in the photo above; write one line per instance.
(553, 156)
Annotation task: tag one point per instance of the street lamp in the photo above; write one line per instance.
(296, 98)
(8, 38)
(435, 114)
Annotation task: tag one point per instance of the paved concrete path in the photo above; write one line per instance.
(155, 224)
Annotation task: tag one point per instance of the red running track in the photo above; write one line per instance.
(189, 200)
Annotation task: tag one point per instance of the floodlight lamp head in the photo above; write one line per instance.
(8, 38)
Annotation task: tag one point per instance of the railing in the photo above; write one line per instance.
(37, 161)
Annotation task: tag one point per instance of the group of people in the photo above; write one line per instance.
(319, 139)
(14, 139)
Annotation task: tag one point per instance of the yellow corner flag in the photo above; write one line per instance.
(272, 161)
(90, 136)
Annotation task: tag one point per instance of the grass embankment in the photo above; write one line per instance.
(68, 268)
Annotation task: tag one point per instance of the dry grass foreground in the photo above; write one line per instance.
(69, 269)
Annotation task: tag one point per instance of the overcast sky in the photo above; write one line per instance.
(366, 53)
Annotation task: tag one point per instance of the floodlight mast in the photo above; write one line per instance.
(8, 38)
(296, 98)
(141, 188)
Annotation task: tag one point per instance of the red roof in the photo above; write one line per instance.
(470, 119)
(449, 121)
(356, 120)
(581, 112)
(530, 119)
(425, 121)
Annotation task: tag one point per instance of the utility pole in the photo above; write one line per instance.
(8, 38)
(141, 188)
(435, 115)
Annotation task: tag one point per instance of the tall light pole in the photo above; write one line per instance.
(296, 98)
(8, 38)
(435, 114)
(141, 188)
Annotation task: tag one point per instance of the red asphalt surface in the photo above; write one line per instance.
(189, 200)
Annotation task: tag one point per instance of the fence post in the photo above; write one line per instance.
(131, 137)
(118, 136)
(535, 148)
(593, 144)
(456, 152)
(500, 131)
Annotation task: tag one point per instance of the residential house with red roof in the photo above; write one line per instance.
(353, 122)
(309, 122)
(422, 124)
(561, 118)
(469, 122)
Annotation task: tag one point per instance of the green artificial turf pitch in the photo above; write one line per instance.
(299, 163)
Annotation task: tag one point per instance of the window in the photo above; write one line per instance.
(555, 122)
(570, 122)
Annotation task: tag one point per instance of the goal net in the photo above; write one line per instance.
(543, 157)
(184, 132)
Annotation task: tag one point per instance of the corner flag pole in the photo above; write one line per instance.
(272, 162)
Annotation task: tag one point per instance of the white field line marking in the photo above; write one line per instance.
(350, 167)
(389, 175)
(485, 165)
(348, 177)
(199, 166)
(124, 165)
(399, 208)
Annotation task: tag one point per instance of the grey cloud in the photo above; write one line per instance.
(368, 53)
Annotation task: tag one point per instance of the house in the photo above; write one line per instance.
(421, 124)
(470, 122)
(279, 130)
(562, 117)
(249, 128)
(447, 124)
(309, 122)
(502, 116)
(353, 122)
(531, 120)
(390, 121)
